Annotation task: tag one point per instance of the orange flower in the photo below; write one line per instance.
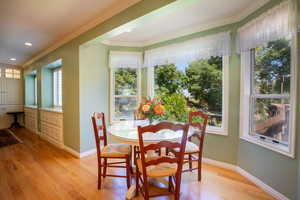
(149, 103)
(159, 109)
(145, 108)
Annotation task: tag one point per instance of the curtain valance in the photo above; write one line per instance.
(122, 59)
(191, 50)
(278, 22)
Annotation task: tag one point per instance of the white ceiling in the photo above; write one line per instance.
(199, 16)
(43, 22)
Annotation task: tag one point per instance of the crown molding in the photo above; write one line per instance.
(108, 13)
(191, 29)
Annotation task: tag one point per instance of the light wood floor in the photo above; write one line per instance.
(35, 169)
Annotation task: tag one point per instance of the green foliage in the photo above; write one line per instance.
(125, 82)
(175, 107)
(168, 79)
(205, 84)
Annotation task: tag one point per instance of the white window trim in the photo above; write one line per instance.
(245, 102)
(225, 96)
(112, 92)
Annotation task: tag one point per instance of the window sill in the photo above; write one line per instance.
(279, 148)
(53, 109)
(31, 106)
(217, 131)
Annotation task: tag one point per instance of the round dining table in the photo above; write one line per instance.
(126, 132)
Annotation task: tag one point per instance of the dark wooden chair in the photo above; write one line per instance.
(193, 151)
(110, 151)
(161, 166)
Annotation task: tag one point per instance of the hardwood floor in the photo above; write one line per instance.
(35, 169)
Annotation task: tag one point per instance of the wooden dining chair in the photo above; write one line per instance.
(161, 166)
(110, 151)
(193, 151)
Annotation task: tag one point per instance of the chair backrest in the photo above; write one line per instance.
(163, 144)
(200, 125)
(98, 121)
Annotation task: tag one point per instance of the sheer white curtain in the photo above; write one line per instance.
(191, 50)
(276, 23)
(125, 59)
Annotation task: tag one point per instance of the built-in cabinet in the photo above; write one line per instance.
(52, 126)
(31, 118)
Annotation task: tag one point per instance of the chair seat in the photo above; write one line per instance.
(160, 170)
(115, 150)
(190, 148)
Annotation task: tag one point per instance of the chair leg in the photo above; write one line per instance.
(146, 191)
(105, 167)
(190, 162)
(177, 188)
(99, 175)
(170, 184)
(137, 176)
(128, 172)
(199, 168)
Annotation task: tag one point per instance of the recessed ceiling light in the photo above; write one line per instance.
(12, 59)
(28, 44)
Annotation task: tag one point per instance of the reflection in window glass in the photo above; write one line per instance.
(124, 107)
(271, 117)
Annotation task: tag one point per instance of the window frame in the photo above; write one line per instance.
(246, 104)
(112, 92)
(55, 84)
(225, 96)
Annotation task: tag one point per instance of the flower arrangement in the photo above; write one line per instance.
(151, 109)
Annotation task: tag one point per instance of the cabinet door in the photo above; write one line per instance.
(3, 91)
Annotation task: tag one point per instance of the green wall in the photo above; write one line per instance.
(46, 87)
(94, 90)
(29, 89)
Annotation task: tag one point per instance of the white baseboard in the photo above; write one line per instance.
(268, 189)
(79, 155)
(261, 184)
(219, 164)
(71, 151)
(87, 153)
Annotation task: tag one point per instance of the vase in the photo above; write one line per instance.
(150, 120)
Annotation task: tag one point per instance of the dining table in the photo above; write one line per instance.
(126, 132)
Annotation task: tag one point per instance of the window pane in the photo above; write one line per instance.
(124, 107)
(125, 82)
(185, 87)
(57, 87)
(271, 118)
(272, 69)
